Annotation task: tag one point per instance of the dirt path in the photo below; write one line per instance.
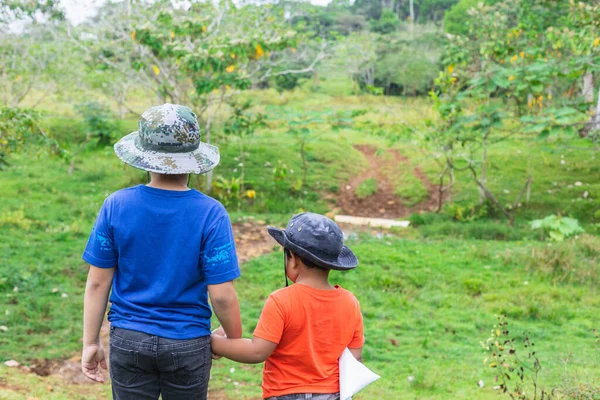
(384, 203)
(252, 240)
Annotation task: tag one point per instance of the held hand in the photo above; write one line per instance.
(219, 331)
(92, 359)
(217, 334)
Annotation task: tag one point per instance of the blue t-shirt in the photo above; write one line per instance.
(167, 246)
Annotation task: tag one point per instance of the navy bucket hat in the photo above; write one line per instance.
(318, 239)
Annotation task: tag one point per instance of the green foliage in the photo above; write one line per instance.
(366, 188)
(98, 122)
(402, 64)
(465, 212)
(228, 191)
(20, 128)
(387, 23)
(557, 228)
(243, 122)
(457, 20)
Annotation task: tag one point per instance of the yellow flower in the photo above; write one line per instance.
(293, 50)
(230, 69)
(156, 70)
(511, 78)
(453, 80)
(203, 29)
(522, 54)
(172, 34)
(549, 96)
(596, 42)
(133, 35)
(18, 78)
(514, 58)
(259, 51)
(227, 87)
(450, 68)
(233, 56)
(251, 194)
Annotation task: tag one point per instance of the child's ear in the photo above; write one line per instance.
(293, 260)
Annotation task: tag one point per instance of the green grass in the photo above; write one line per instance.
(428, 304)
(409, 188)
(429, 295)
(366, 188)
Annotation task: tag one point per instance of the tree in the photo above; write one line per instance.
(516, 71)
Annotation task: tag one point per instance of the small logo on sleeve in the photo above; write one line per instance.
(219, 255)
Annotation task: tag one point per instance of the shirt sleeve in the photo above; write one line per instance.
(218, 258)
(358, 339)
(271, 322)
(100, 250)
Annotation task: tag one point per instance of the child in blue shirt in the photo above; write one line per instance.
(163, 249)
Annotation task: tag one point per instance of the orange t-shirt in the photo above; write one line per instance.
(311, 327)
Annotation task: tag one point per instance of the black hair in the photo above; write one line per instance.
(307, 263)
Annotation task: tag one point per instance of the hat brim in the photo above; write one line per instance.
(346, 260)
(205, 158)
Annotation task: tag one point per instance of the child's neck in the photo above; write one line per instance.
(166, 182)
(315, 279)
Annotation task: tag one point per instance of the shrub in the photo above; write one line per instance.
(465, 212)
(97, 119)
(557, 228)
(366, 188)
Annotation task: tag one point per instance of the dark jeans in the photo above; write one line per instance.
(144, 366)
(302, 396)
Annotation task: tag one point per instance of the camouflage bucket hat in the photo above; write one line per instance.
(168, 142)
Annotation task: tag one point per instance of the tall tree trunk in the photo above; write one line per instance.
(412, 18)
(482, 194)
(588, 87)
(594, 122)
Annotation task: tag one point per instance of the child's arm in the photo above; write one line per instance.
(357, 353)
(97, 288)
(226, 306)
(247, 351)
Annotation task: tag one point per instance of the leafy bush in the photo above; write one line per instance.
(97, 119)
(227, 191)
(465, 212)
(557, 228)
(366, 188)
(19, 127)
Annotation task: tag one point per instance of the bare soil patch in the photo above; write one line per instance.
(384, 203)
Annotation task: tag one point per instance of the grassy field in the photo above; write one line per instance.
(429, 294)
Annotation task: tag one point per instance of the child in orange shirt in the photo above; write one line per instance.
(304, 328)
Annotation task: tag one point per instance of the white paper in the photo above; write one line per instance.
(354, 375)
